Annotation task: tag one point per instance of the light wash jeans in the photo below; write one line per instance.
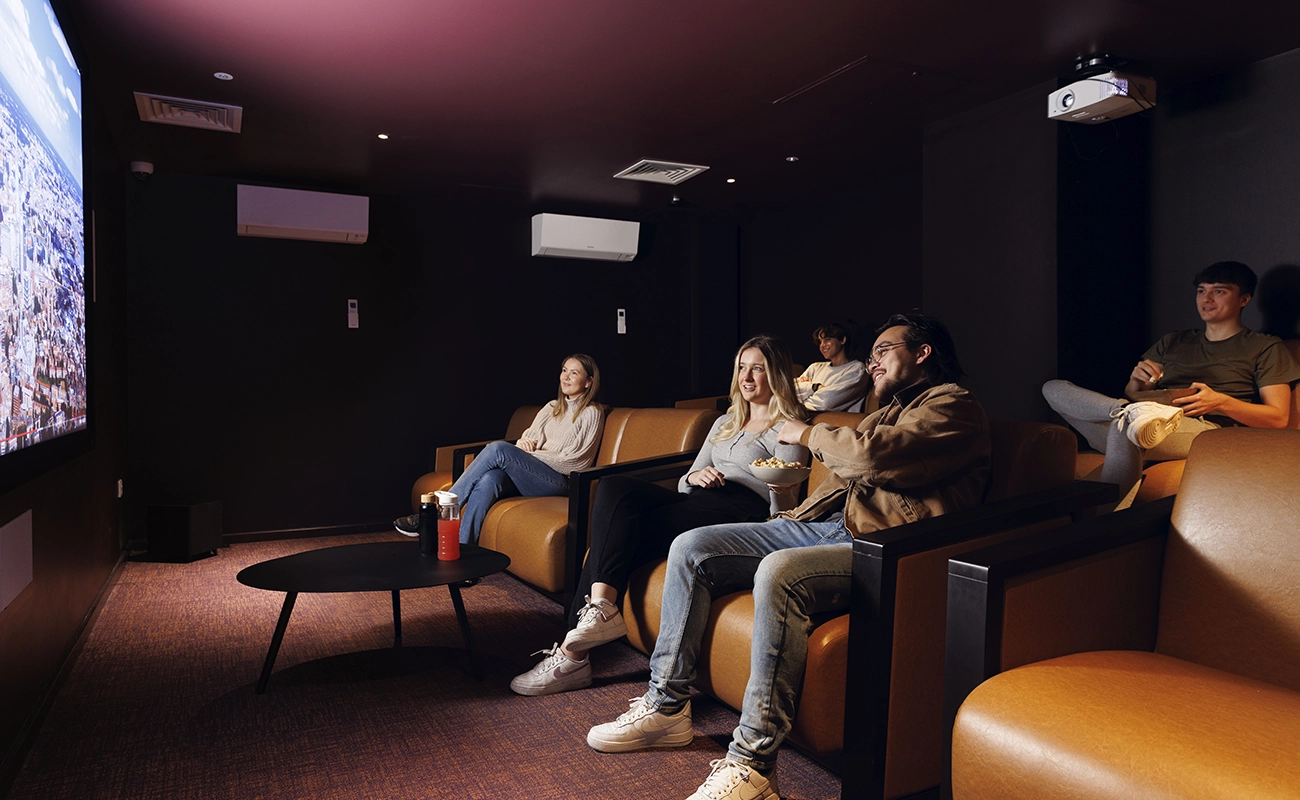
(796, 569)
(501, 470)
(1088, 412)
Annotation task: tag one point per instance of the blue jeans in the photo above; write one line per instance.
(501, 470)
(796, 569)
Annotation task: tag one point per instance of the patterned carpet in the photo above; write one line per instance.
(161, 702)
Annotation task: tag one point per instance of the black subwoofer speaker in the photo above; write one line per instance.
(184, 533)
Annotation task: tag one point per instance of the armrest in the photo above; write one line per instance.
(876, 557)
(444, 457)
(1087, 556)
(653, 468)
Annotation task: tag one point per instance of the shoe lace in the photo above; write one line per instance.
(590, 610)
(725, 777)
(637, 708)
(553, 656)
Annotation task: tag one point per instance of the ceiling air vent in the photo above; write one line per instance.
(660, 172)
(189, 113)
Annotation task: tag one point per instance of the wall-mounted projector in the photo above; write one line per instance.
(1101, 98)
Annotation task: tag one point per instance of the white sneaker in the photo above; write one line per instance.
(598, 622)
(640, 727)
(1147, 423)
(731, 780)
(556, 673)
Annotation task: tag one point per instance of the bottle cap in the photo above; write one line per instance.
(447, 499)
(427, 497)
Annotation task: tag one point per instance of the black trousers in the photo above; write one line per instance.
(634, 522)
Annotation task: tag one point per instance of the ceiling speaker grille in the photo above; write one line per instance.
(660, 172)
(188, 113)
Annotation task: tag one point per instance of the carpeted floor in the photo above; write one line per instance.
(161, 702)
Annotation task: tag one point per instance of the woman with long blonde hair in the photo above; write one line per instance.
(634, 521)
(563, 438)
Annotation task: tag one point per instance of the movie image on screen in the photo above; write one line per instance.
(42, 240)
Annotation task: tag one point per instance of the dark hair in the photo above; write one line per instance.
(1234, 272)
(832, 330)
(942, 366)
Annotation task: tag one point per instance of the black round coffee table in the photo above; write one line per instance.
(370, 567)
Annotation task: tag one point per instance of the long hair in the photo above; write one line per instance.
(783, 404)
(942, 366)
(588, 396)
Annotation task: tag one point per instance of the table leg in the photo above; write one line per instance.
(464, 627)
(278, 637)
(397, 618)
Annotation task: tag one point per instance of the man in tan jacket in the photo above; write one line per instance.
(924, 453)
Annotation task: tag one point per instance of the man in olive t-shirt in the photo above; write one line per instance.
(1237, 377)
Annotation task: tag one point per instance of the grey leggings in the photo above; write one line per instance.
(1089, 413)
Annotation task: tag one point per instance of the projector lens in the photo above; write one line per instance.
(1066, 100)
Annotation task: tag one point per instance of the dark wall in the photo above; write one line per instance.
(1103, 253)
(76, 516)
(1224, 175)
(858, 263)
(990, 247)
(249, 387)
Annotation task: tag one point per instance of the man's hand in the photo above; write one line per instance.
(527, 445)
(1147, 372)
(791, 431)
(1205, 401)
(803, 379)
(707, 478)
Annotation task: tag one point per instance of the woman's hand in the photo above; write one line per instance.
(707, 478)
(527, 445)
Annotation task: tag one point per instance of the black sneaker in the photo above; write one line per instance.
(408, 526)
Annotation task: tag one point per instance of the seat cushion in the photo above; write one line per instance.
(1125, 724)
(531, 531)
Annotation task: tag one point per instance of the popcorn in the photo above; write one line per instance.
(773, 462)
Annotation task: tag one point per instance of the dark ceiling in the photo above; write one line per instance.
(545, 101)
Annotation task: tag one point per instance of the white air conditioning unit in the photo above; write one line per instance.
(295, 214)
(561, 236)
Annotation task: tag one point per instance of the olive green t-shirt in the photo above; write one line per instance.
(1237, 366)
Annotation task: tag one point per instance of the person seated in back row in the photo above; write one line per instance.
(1226, 374)
(837, 384)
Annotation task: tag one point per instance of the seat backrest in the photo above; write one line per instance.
(839, 419)
(632, 433)
(1029, 457)
(1294, 346)
(520, 420)
(1229, 597)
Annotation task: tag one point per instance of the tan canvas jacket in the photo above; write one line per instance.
(924, 454)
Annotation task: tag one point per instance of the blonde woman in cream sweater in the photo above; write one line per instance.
(563, 438)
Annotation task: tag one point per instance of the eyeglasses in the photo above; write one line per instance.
(878, 352)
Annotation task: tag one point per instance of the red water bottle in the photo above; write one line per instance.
(448, 526)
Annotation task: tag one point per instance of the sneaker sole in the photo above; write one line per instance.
(668, 740)
(576, 641)
(554, 688)
(415, 535)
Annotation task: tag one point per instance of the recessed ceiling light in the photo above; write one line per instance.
(731, 180)
(223, 76)
(792, 158)
(383, 136)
